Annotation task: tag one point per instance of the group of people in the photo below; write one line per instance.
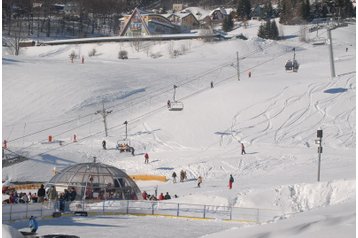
(182, 176)
(15, 197)
(147, 196)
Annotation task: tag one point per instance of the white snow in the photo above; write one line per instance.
(274, 113)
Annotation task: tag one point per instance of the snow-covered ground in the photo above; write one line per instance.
(274, 113)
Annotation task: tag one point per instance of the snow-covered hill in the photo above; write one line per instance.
(274, 113)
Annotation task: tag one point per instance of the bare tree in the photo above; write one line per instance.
(17, 36)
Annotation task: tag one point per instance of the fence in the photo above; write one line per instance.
(11, 212)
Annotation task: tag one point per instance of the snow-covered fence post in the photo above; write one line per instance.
(41, 210)
(258, 216)
(152, 208)
(204, 211)
(178, 210)
(10, 211)
(27, 209)
(127, 206)
(230, 213)
(103, 206)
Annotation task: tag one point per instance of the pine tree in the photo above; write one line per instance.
(244, 9)
(305, 10)
(274, 31)
(286, 12)
(268, 30)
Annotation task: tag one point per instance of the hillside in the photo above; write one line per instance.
(274, 113)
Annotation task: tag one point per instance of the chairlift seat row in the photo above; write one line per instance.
(176, 106)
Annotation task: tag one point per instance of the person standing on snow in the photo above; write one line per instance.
(200, 180)
(231, 181)
(243, 149)
(41, 193)
(174, 175)
(161, 196)
(104, 144)
(146, 158)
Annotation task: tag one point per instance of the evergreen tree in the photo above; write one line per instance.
(305, 10)
(268, 30)
(244, 9)
(268, 10)
(274, 31)
(228, 23)
(286, 12)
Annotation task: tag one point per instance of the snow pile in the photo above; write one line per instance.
(10, 232)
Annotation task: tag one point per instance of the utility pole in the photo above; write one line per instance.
(319, 142)
(237, 65)
(104, 114)
(331, 61)
(126, 123)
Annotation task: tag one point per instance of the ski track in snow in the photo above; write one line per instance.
(266, 125)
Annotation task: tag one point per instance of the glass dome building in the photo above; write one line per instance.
(95, 181)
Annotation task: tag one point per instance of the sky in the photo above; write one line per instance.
(274, 113)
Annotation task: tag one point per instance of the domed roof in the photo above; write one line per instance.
(95, 181)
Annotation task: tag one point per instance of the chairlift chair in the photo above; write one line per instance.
(318, 41)
(175, 105)
(124, 145)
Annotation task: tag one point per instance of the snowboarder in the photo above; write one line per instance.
(200, 180)
(168, 103)
(174, 175)
(231, 180)
(243, 149)
(41, 194)
(212, 84)
(33, 224)
(249, 74)
(146, 158)
(104, 144)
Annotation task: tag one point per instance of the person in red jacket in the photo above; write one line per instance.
(144, 195)
(161, 196)
(146, 158)
(231, 180)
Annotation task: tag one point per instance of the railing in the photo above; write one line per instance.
(11, 212)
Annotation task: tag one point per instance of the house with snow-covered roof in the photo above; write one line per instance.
(186, 21)
(142, 23)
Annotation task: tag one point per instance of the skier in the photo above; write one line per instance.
(200, 180)
(104, 144)
(33, 224)
(243, 149)
(231, 180)
(249, 74)
(212, 84)
(146, 158)
(181, 175)
(168, 103)
(174, 175)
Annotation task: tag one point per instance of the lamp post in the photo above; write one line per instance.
(320, 149)
(126, 123)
